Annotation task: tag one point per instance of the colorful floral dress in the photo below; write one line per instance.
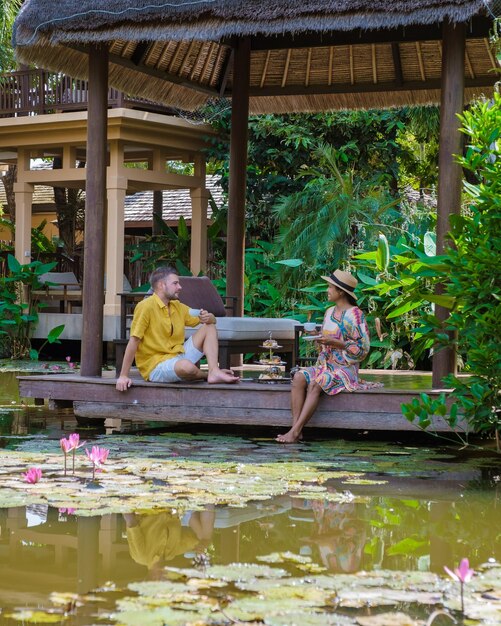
(337, 369)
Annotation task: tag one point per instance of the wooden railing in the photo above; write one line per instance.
(37, 92)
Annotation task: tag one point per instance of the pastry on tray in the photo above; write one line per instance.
(270, 343)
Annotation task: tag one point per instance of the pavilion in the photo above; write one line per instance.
(268, 58)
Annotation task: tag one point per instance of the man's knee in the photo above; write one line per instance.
(186, 369)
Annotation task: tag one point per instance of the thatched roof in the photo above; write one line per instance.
(306, 55)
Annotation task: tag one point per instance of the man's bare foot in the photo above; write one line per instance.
(289, 437)
(221, 376)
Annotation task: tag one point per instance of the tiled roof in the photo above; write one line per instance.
(176, 203)
(139, 206)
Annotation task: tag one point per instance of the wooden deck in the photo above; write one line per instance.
(248, 403)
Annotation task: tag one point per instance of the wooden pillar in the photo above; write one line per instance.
(87, 553)
(449, 172)
(238, 174)
(158, 205)
(95, 202)
(199, 202)
(115, 229)
(23, 193)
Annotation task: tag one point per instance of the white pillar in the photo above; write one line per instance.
(116, 191)
(24, 199)
(198, 254)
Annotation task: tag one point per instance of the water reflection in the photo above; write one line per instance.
(156, 538)
(43, 549)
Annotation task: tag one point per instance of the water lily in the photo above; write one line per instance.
(98, 457)
(67, 445)
(67, 511)
(462, 574)
(33, 475)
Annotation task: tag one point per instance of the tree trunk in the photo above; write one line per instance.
(8, 179)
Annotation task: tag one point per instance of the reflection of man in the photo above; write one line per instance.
(158, 538)
(157, 339)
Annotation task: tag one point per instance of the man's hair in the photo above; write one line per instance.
(161, 273)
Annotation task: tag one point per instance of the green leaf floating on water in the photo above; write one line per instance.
(127, 483)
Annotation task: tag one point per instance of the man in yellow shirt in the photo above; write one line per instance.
(157, 339)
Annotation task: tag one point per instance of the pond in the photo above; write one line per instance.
(197, 527)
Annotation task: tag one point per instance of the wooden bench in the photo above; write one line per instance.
(237, 335)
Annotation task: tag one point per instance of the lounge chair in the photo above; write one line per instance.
(237, 335)
(62, 288)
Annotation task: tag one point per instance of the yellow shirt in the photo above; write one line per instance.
(161, 331)
(159, 537)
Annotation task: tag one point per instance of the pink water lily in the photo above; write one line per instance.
(68, 511)
(67, 445)
(98, 456)
(462, 574)
(33, 475)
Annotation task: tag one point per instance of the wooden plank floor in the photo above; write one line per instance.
(247, 403)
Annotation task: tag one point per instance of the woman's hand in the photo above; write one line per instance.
(332, 342)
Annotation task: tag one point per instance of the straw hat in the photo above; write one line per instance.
(343, 280)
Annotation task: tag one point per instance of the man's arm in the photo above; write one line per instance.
(123, 381)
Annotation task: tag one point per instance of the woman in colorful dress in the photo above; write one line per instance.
(343, 344)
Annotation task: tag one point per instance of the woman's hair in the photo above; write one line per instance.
(351, 299)
(161, 273)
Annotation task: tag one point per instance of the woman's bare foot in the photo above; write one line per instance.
(289, 437)
(221, 376)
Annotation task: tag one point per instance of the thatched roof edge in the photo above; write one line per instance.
(68, 25)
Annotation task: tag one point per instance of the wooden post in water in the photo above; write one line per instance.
(87, 553)
(238, 174)
(449, 172)
(95, 210)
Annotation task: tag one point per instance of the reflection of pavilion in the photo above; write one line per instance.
(42, 550)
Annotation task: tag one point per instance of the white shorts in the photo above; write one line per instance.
(164, 371)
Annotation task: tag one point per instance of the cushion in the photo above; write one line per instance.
(254, 328)
(198, 292)
(60, 279)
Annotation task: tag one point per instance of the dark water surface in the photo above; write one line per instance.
(419, 506)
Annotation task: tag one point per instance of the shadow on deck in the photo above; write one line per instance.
(247, 404)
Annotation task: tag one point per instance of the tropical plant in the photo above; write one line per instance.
(8, 12)
(334, 213)
(468, 273)
(18, 308)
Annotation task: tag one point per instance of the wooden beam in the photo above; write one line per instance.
(397, 64)
(308, 68)
(286, 68)
(225, 73)
(265, 69)
(478, 27)
(352, 70)
(139, 55)
(449, 172)
(347, 88)
(420, 61)
(95, 209)
(166, 76)
(331, 63)
(238, 174)
(207, 61)
(374, 63)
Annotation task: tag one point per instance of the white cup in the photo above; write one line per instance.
(195, 312)
(309, 327)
